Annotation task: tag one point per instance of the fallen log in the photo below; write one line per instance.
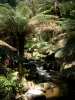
(4, 44)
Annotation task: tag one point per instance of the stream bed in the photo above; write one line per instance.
(57, 89)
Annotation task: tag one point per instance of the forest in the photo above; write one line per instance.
(37, 43)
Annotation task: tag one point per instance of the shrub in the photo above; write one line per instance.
(46, 35)
(9, 86)
(5, 87)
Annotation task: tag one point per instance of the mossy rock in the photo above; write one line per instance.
(59, 54)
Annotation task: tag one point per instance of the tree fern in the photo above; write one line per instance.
(15, 21)
(24, 10)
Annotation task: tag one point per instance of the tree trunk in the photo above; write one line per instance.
(20, 67)
(21, 40)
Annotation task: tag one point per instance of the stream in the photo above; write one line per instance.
(58, 90)
(37, 71)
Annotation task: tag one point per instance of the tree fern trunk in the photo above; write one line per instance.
(21, 40)
(20, 67)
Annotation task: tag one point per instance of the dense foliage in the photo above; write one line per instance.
(9, 86)
(42, 28)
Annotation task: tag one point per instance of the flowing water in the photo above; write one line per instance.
(59, 91)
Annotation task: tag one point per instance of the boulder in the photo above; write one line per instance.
(34, 94)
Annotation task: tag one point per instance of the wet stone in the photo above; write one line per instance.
(34, 94)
